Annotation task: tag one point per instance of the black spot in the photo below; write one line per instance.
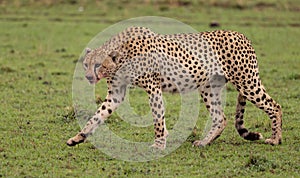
(242, 131)
(109, 111)
(243, 103)
(241, 122)
(252, 136)
(257, 91)
(242, 110)
(263, 97)
(115, 100)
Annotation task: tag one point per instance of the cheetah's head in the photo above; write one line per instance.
(98, 64)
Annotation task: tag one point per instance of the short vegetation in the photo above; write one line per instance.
(41, 42)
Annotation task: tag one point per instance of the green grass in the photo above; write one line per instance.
(41, 43)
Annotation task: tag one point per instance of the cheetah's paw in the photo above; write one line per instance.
(273, 141)
(159, 143)
(200, 143)
(79, 138)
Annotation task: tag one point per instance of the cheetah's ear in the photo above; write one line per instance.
(87, 50)
(114, 55)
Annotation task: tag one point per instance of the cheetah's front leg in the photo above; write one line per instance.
(157, 107)
(113, 99)
(211, 95)
(154, 91)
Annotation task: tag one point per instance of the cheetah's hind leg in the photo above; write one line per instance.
(263, 101)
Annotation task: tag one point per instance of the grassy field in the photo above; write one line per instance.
(40, 45)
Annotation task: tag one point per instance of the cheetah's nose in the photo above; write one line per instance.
(90, 78)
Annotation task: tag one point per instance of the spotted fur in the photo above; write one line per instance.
(182, 63)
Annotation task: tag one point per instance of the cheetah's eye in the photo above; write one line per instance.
(85, 65)
(97, 65)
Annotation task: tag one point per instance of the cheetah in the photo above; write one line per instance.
(158, 63)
